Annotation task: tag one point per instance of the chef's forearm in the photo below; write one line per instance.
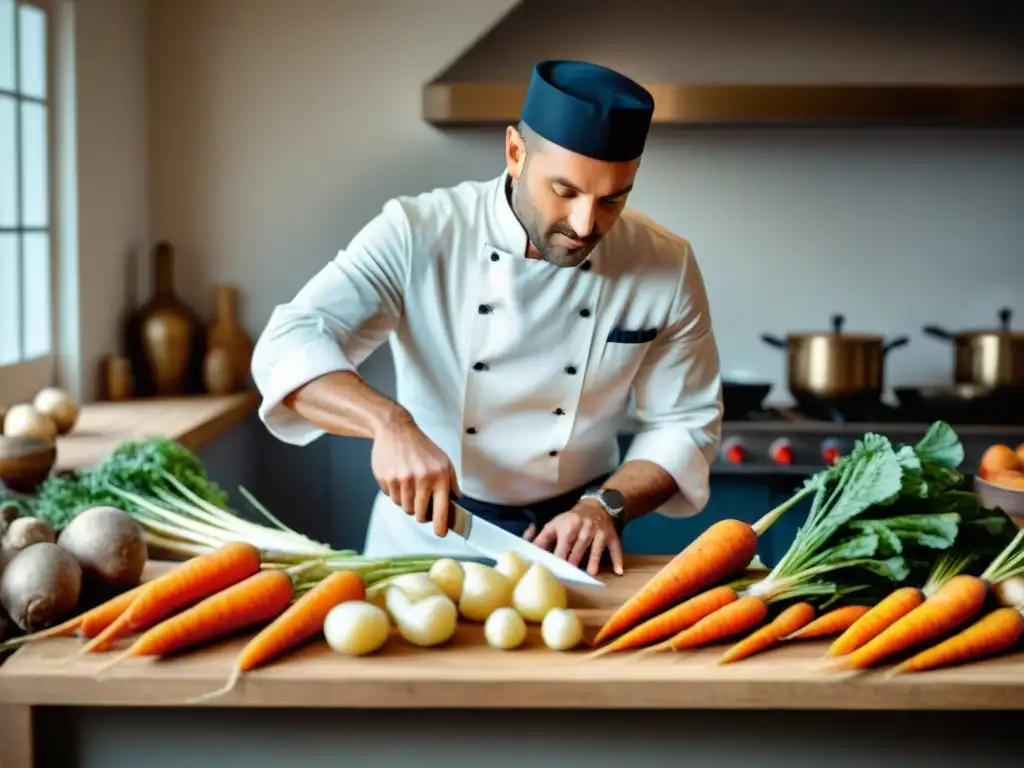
(644, 485)
(343, 404)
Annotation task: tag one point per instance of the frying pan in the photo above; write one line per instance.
(961, 403)
(743, 398)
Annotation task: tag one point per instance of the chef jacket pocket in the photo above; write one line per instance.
(623, 336)
(622, 354)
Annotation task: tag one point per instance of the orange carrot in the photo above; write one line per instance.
(738, 616)
(891, 608)
(192, 581)
(995, 632)
(790, 620)
(831, 623)
(105, 614)
(722, 550)
(670, 622)
(256, 599)
(303, 619)
(89, 623)
(955, 602)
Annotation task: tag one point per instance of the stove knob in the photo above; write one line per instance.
(735, 453)
(781, 451)
(830, 451)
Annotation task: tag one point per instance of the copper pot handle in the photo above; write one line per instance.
(899, 341)
(938, 333)
(773, 341)
(1004, 318)
(838, 321)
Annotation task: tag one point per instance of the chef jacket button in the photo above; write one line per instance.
(552, 453)
(584, 313)
(559, 412)
(471, 430)
(479, 366)
(585, 266)
(483, 309)
(571, 370)
(494, 256)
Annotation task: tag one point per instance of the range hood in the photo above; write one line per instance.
(452, 104)
(738, 62)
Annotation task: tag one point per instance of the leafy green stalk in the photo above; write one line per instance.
(945, 567)
(1009, 563)
(139, 467)
(870, 509)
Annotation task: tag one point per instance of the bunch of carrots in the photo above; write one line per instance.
(216, 594)
(857, 524)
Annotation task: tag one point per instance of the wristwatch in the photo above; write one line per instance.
(614, 503)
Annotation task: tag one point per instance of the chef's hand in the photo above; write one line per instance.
(586, 525)
(414, 472)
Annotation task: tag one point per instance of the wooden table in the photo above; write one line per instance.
(467, 671)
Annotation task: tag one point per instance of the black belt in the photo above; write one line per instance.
(516, 519)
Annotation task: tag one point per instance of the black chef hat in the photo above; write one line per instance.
(588, 109)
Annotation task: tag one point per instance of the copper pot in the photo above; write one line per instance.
(991, 358)
(835, 364)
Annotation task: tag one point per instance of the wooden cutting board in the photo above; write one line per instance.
(467, 671)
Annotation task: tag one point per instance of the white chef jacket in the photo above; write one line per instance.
(520, 371)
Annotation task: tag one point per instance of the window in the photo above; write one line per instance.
(27, 240)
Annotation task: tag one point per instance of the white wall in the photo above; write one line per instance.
(112, 178)
(279, 129)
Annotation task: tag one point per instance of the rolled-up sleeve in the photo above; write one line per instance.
(338, 318)
(678, 396)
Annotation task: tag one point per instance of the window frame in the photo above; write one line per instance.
(20, 381)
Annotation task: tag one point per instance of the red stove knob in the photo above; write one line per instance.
(781, 451)
(735, 453)
(830, 451)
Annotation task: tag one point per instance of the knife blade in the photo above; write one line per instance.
(492, 541)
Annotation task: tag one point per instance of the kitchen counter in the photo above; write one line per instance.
(468, 674)
(194, 421)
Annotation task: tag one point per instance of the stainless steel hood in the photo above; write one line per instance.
(453, 104)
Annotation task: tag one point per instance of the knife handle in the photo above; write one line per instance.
(457, 516)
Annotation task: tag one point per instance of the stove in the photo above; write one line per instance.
(782, 441)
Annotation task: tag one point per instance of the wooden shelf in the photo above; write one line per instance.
(453, 104)
(193, 421)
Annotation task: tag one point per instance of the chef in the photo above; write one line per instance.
(524, 313)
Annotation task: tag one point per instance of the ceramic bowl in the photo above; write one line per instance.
(25, 462)
(1010, 500)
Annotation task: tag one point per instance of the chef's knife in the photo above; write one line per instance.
(491, 541)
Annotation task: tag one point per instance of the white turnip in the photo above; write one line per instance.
(356, 628)
(562, 629)
(59, 406)
(537, 592)
(484, 590)
(505, 629)
(512, 567)
(447, 573)
(429, 621)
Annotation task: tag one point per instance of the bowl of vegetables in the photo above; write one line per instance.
(1000, 480)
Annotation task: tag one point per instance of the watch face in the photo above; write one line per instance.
(613, 499)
